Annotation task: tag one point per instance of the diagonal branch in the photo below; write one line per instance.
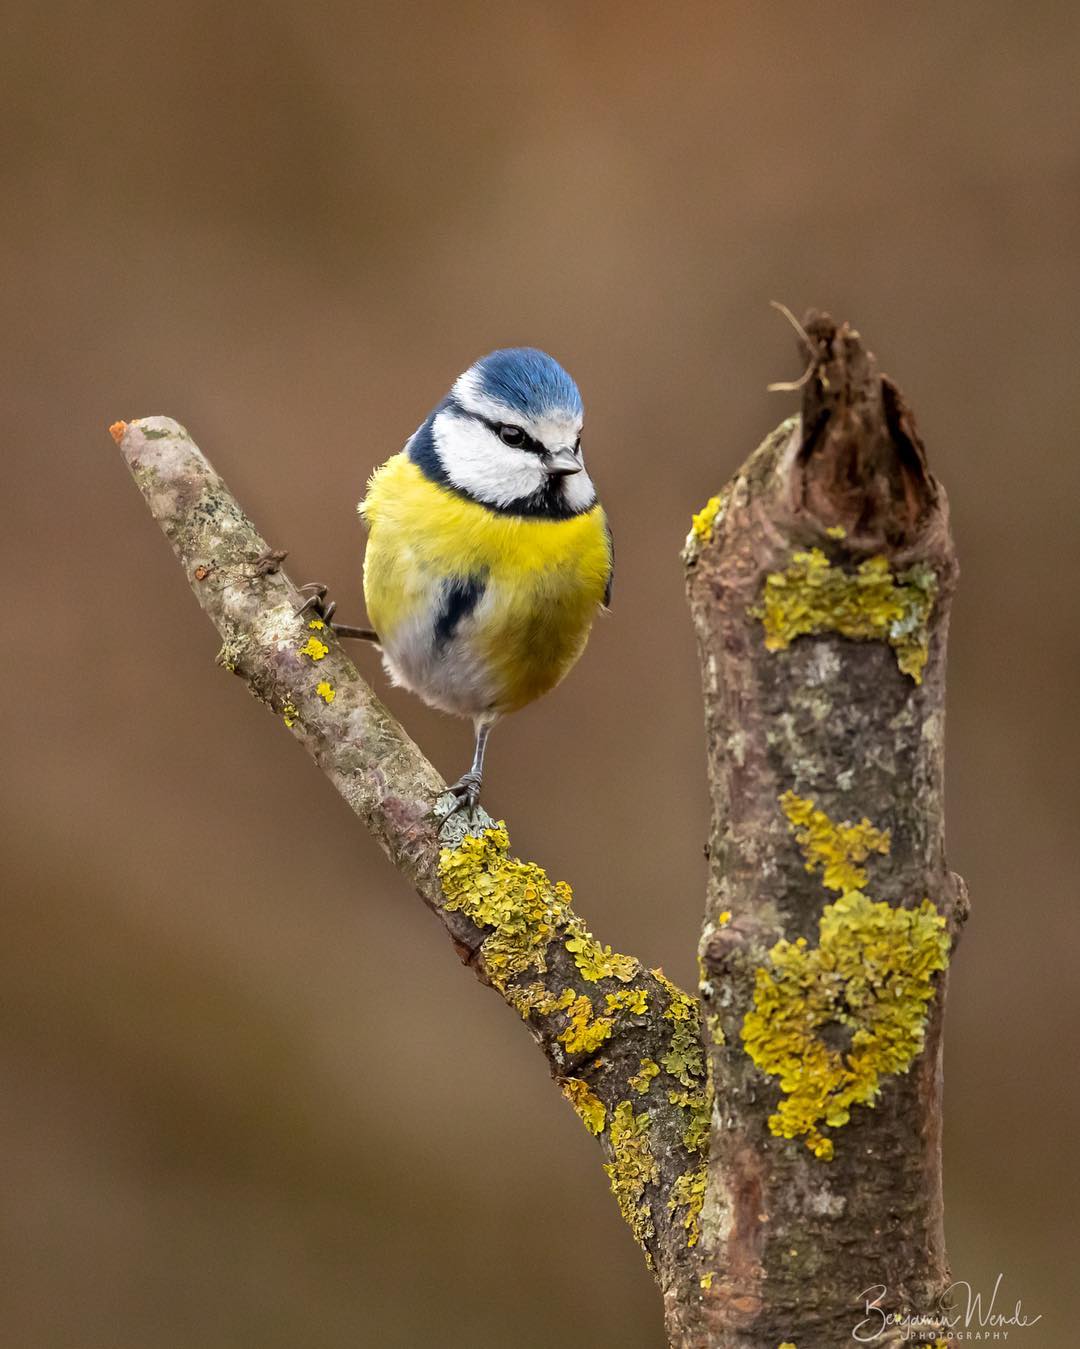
(623, 1042)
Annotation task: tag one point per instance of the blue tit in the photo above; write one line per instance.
(488, 554)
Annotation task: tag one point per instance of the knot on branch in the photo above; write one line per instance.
(861, 464)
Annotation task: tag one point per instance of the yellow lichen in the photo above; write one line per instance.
(523, 913)
(642, 1079)
(632, 1168)
(685, 1058)
(325, 692)
(584, 1033)
(682, 1007)
(289, 713)
(513, 899)
(523, 916)
(869, 604)
(314, 648)
(836, 532)
(635, 1000)
(871, 978)
(703, 522)
(835, 848)
(706, 1280)
(723, 918)
(788, 1344)
(232, 650)
(715, 1029)
(590, 1108)
(698, 1107)
(869, 981)
(317, 625)
(536, 1000)
(598, 962)
(689, 1189)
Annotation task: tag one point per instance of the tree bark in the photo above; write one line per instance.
(819, 583)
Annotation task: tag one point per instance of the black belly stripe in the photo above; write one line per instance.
(460, 596)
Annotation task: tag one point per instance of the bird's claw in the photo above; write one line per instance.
(316, 602)
(467, 790)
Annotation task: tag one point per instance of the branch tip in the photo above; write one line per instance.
(861, 463)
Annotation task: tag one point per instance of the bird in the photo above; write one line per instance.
(489, 554)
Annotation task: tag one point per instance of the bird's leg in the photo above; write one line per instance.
(316, 602)
(467, 787)
(361, 634)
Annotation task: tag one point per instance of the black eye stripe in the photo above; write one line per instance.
(527, 442)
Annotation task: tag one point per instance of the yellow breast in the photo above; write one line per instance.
(543, 579)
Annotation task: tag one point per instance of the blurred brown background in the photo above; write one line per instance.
(248, 1096)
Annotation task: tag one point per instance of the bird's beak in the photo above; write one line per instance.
(560, 463)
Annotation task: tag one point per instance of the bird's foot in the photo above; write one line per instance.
(316, 602)
(467, 790)
(317, 605)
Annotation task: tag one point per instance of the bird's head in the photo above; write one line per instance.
(508, 434)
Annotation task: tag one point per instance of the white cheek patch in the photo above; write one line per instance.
(479, 464)
(578, 492)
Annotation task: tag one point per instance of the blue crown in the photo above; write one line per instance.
(529, 381)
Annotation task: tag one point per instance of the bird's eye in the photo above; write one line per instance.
(512, 435)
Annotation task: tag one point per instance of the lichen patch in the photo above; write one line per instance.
(703, 521)
(631, 1168)
(811, 596)
(836, 850)
(591, 1110)
(314, 648)
(866, 986)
